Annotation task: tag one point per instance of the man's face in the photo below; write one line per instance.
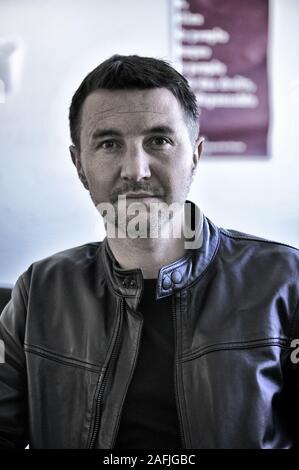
(135, 141)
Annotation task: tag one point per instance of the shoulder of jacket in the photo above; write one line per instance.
(253, 239)
(76, 256)
(84, 251)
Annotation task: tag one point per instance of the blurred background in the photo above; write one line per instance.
(46, 49)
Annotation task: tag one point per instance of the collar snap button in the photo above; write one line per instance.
(176, 277)
(132, 283)
(166, 283)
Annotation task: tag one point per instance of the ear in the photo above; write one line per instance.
(198, 148)
(75, 156)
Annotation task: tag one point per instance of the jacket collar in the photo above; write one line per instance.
(173, 277)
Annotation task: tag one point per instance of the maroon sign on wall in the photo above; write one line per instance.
(222, 48)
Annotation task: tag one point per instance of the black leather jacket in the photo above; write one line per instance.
(72, 332)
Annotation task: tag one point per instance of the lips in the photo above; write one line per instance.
(138, 195)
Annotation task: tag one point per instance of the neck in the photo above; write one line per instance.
(151, 253)
(147, 254)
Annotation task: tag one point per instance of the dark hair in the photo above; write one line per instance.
(133, 72)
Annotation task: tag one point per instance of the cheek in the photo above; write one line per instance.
(182, 180)
(175, 174)
(181, 167)
(101, 179)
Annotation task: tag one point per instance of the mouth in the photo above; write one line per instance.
(139, 195)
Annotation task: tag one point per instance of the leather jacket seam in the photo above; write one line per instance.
(94, 369)
(107, 274)
(181, 375)
(22, 289)
(8, 333)
(200, 277)
(255, 239)
(236, 343)
(204, 272)
(227, 347)
(53, 353)
(267, 338)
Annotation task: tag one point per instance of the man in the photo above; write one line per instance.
(147, 339)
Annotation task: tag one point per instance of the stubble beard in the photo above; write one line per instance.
(160, 218)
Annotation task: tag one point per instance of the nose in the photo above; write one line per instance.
(135, 164)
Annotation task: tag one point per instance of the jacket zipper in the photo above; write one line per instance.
(115, 432)
(176, 375)
(106, 372)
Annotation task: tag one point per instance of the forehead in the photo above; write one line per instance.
(121, 107)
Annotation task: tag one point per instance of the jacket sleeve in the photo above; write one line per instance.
(13, 382)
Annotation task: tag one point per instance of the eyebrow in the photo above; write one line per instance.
(98, 133)
(105, 133)
(159, 130)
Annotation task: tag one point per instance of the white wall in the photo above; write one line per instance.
(262, 197)
(43, 206)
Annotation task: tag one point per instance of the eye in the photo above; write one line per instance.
(159, 141)
(108, 145)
